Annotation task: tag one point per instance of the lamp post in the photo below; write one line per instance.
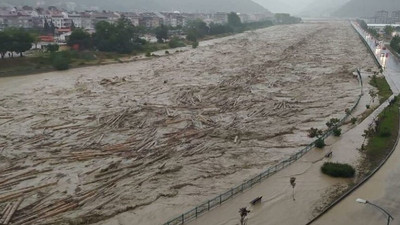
(363, 201)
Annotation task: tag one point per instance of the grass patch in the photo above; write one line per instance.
(384, 137)
(338, 170)
(383, 87)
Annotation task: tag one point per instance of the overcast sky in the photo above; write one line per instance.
(290, 6)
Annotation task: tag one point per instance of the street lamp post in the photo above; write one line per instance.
(363, 201)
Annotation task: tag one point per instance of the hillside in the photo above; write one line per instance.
(360, 8)
(276, 6)
(322, 8)
(244, 6)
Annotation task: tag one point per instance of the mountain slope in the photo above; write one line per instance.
(323, 8)
(245, 6)
(367, 8)
(275, 6)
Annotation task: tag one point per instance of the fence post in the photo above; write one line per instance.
(196, 212)
(183, 218)
(232, 192)
(208, 205)
(220, 199)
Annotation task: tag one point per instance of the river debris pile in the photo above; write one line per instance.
(87, 144)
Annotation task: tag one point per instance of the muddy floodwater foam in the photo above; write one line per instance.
(156, 137)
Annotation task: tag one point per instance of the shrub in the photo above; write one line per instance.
(394, 100)
(338, 170)
(353, 120)
(148, 54)
(176, 43)
(195, 44)
(60, 61)
(332, 122)
(53, 48)
(320, 143)
(368, 106)
(337, 132)
(166, 52)
(314, 132)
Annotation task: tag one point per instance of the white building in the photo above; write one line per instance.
(76, 19)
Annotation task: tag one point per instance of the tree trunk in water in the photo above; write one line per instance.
(21, 54)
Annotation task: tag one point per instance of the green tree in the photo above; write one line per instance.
(362, 24)
(196, 29)
(395, 43)
(176, 43)
(21, 41)
(60, 60)
(5, 43)
(373, 32)
(388, 30)
(216, 29)
(285, 18)
(162, 34)
(81, 38)
(234, 20)
(121, 37)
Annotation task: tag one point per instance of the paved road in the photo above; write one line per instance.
(390, 63)
(382, 189)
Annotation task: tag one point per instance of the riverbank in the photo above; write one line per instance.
(40, 62)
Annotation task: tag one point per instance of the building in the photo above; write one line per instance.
(76, 19)
(86, 21)
(108, 16)
(245, 18)
(15, 19)
(150, 20)
(133, 17)
(396, 17)
(173, 19)
(382, 17)
(220, 17)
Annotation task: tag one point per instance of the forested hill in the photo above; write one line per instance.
(244, 6)
(366, 8)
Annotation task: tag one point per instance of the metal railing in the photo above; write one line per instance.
(210, 204)
(357, 29)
